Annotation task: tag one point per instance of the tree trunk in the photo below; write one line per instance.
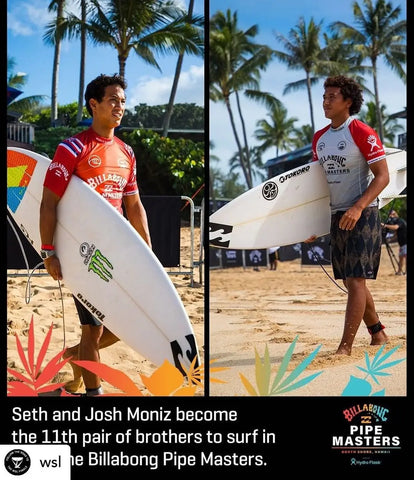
(82, 63)
(308, 85)
(377, 102)
(56, 62)
(122, 65)
(233, 126)
(170, 106)
(246, 156)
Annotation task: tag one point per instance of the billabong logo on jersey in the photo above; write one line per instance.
(321, 146)
(372, 141)
(59, 170)
(123, 163)
(341, 145)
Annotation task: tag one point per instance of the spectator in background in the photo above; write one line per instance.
(399, 225)
(272, 253)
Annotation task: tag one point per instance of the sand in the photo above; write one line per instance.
(250, 310)
(48, 304)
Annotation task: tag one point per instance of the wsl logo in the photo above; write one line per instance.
(17, 462)
(366, 435)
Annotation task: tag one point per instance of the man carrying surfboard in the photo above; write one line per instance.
(355, 165)
(107, 164)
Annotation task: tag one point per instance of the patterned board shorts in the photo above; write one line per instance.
(356, 253)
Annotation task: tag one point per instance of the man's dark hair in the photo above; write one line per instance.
(349, 89)
(96, 88)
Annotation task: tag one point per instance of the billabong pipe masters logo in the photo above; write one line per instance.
(367, 434)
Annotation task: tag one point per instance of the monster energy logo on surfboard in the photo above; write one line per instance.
(96, 261)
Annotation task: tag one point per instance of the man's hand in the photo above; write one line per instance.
(350, 218)
(310, 239)
(52, 265)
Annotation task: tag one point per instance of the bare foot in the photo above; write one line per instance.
(343, 350)
(379, 338)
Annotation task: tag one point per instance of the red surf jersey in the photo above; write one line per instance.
(106, 165)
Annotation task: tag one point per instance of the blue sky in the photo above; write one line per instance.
(280, 16)
(26, 20)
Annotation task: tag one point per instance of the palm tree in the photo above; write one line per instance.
(17, 81)
(83, 38)
(170, 106)
(276, 133)
(302, 136)
(378, 34)
(54, 37)
(74, 26)
(235, 62)
(255, 155)
(303, 52)
(341, 58)
(390, 125)
(145, 27)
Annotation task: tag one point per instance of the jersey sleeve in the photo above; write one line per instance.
(63, 164)
(367, 140)
(315, 140)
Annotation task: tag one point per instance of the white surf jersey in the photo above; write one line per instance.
(345, 153)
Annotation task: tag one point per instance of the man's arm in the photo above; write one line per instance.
(379, 182)
(47, 226)
(137, 216)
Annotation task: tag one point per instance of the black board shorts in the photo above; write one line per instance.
(356, 253)
(85, 316)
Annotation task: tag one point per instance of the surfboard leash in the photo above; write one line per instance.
(29, 275)
(28, 296)
(315, 254)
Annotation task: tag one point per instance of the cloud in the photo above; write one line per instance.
(28, 18)
(156, 91)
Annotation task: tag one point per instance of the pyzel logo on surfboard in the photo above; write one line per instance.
(270, 191)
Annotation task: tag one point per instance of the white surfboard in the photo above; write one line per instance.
(289, 208)
(105, 263)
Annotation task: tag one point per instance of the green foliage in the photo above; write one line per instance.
(66, 116)
(399, 205)
(47, 140)
(166, 166)
(185, 116)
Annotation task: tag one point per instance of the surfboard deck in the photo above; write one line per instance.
(289, 208)
(105, 263)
